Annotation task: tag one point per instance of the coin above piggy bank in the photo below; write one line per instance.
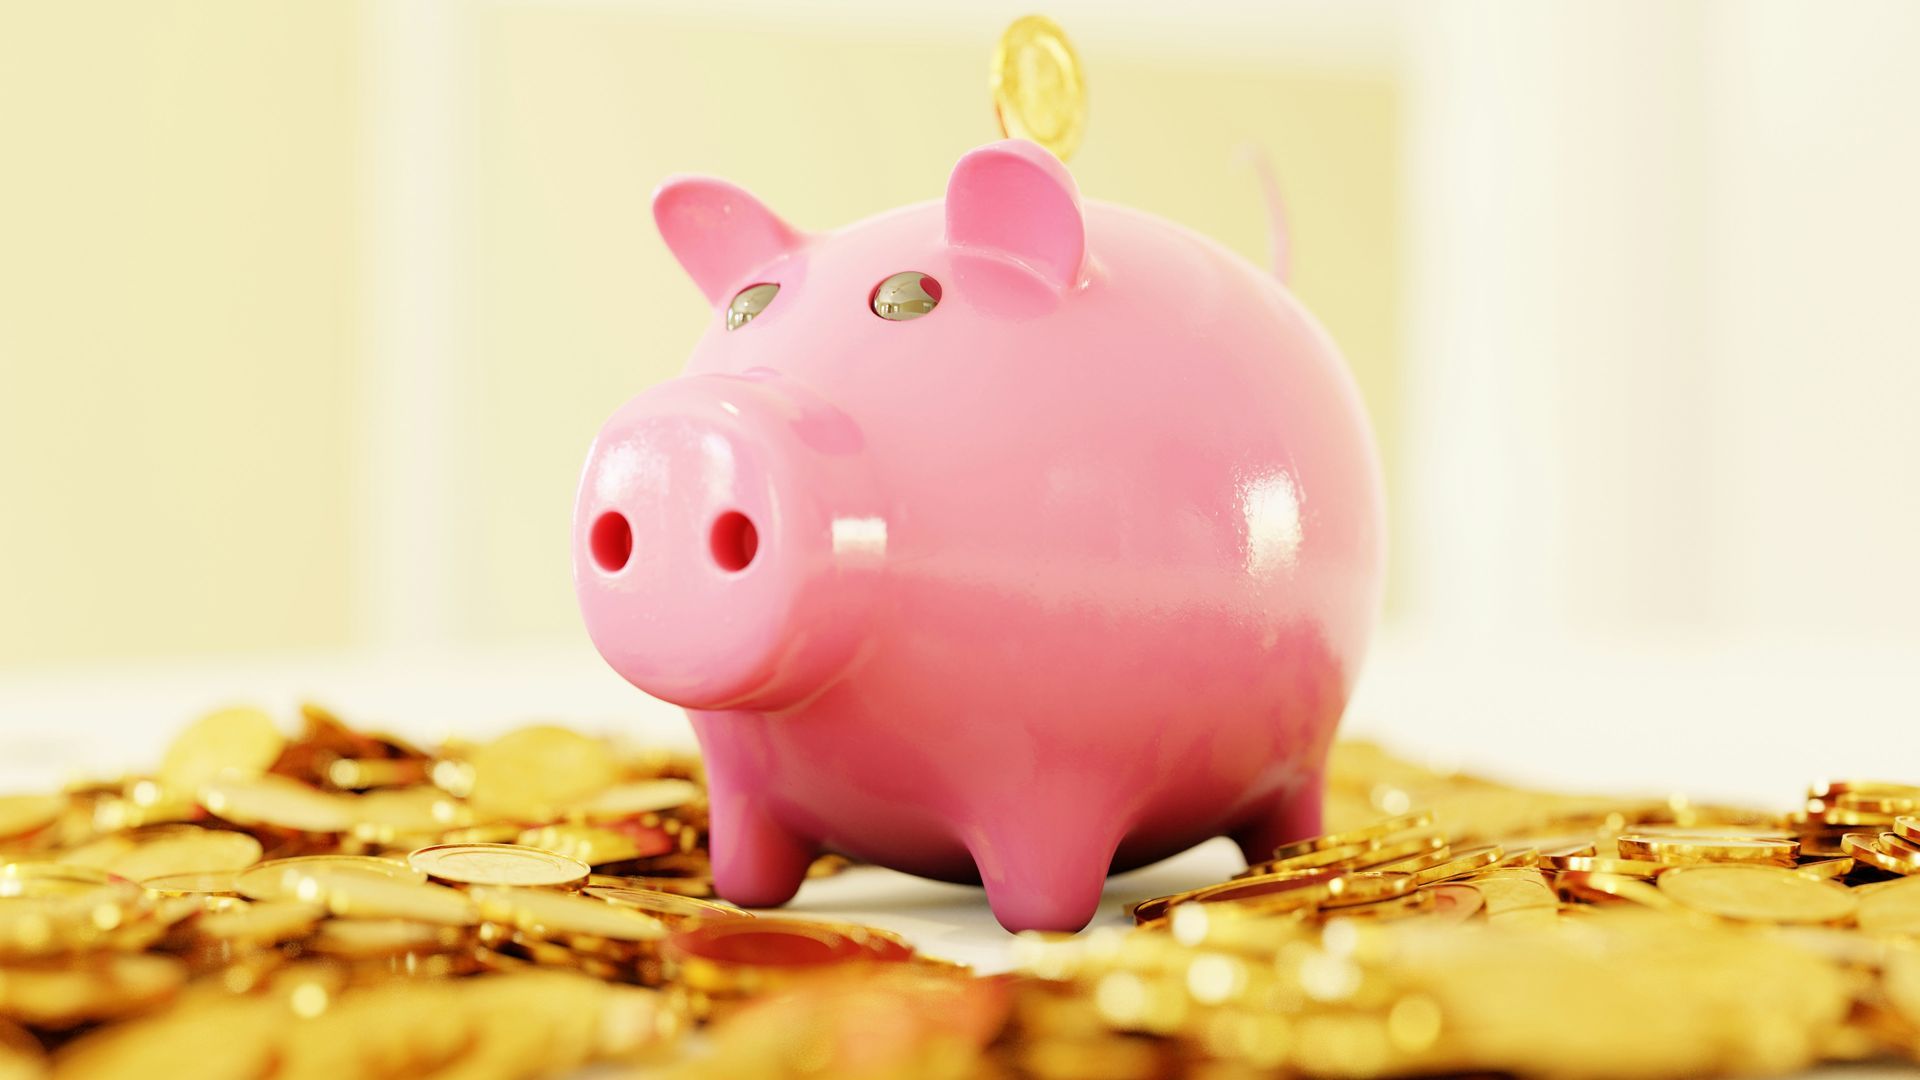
(1007, 538)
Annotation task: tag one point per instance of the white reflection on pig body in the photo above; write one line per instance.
(862, 536)
(1271, 506)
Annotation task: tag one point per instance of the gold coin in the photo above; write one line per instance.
(1825, 869)
(1891, 799)
(213, 1039)
(276, 801)
(1285, 889)
(555, 914)
(42, 879)
(21, 1055)
(1413, 864)
(1893, 908)
(1406, 905)
(497, 864)
(186, 849)
(1316, 859)
(265, 923)
(1455, 902)
(740, 956)
(368, 938)
(670, 908)
(101, 988)
(277, 879)
(1502, 895)
(537, 772)
(1901, 850)
(1593, 886)
(1757, 894)
(353, 893)
(1697, 847)
(1038, 90)
(208, 883)
(1372, 854)
(1367, 887)
(636, 797)
(382, 816)
(22, 814)
(1371, 835)
(1461, 863)
(239, 740)
(1907, 828)
(1864, 848)
(595, 845)
(1594, 864)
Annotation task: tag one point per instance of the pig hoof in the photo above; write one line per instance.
(757, 862)
(1045, 890)
(1038, 911)
(1291, 815)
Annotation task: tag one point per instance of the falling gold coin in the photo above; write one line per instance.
(1038, 90)
(497, 864)
(1757, 894)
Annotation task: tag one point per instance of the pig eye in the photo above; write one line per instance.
(749, 302)
(906, 295)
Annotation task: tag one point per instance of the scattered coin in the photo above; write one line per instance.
(280, 879)
(1520, 939)
(242, 741)
(497, 864)
(1758, 893)
(1894, 909)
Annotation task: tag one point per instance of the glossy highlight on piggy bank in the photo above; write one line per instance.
(1007, 538)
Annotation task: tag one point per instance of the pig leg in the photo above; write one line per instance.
(757, 862)
(1042, 878)
(1291, 814)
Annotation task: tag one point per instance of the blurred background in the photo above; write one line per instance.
(309, 310)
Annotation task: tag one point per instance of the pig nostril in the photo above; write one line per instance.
(611, 541)
(733, 541)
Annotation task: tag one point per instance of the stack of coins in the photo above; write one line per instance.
(346, 903)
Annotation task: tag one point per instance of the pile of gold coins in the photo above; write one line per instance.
(345, 903)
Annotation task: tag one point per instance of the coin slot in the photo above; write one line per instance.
(733, 541)
(611, 542)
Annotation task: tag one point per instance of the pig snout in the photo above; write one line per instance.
(726, 537)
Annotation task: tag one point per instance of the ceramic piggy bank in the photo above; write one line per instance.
(1009, 539)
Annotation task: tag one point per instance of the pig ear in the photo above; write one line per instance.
(1015, 199)
(718, 231)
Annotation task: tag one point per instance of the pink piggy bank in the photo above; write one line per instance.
(1006, 539)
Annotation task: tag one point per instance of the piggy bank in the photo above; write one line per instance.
(1009, 539)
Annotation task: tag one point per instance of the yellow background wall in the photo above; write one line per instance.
(177, 326)
(184, 274)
